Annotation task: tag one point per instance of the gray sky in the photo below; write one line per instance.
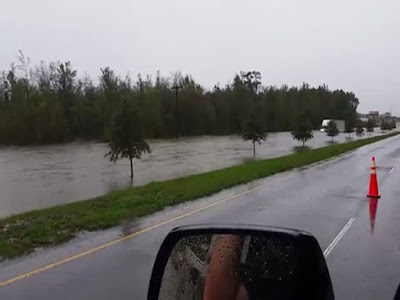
(348, 44)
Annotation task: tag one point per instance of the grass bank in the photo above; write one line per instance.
(21, 234)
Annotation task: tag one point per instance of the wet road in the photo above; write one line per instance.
(38, 177)
(322, 199)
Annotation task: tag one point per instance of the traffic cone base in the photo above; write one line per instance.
(373, 196)
(373, 182)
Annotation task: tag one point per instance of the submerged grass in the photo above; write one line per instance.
(21, 234)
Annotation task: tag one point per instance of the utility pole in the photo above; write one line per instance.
(176, 88)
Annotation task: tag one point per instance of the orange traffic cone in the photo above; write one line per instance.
(373, 182)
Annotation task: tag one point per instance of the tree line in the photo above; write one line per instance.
(51, 103)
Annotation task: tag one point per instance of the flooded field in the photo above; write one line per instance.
(42, 176)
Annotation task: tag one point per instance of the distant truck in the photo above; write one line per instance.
(340, 124)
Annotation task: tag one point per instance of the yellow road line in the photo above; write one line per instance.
(127, 237)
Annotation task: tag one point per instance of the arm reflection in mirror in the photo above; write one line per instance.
(222, 279)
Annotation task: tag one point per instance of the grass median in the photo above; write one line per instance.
(22, 233)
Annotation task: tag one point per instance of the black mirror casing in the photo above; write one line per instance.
(313, 280)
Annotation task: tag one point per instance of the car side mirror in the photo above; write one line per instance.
(239, 262)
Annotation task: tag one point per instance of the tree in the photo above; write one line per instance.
(370, 125)
(388, 124)
(332, 130)
(359, 128)
(348, 128)
(385, 125)
(303, 131)
(252, 79)
(126, 139)
(66, 87)
(50, 103)
(254, 131)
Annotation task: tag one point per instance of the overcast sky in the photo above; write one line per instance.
(349, 44)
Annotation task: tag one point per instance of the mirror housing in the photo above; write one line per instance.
(312, 279)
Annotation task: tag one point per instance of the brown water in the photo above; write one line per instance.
(42, 176)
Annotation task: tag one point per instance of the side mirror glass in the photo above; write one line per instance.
(239, 262)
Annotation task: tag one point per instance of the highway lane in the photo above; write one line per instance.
(366, 262)
(320, 199)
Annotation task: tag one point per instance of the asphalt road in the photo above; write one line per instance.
(322, 199)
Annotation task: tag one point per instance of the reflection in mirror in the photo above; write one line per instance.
(227, 266)
(373, 207)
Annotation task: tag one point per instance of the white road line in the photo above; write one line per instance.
(338, 237)
(391, 170)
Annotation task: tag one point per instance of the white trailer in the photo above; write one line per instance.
(340, 124)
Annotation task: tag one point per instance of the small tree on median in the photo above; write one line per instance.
(359, 128)
(126, 140)
(385, 125)
(303, 131)
(254, 131)
(388, 124)
(332, 130)
(370, 125)
(348, 128)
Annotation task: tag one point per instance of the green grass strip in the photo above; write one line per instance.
(22, 233)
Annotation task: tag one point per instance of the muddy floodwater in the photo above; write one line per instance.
(42, 176)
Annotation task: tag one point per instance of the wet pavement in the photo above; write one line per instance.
(42, 176)
(364, 264)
